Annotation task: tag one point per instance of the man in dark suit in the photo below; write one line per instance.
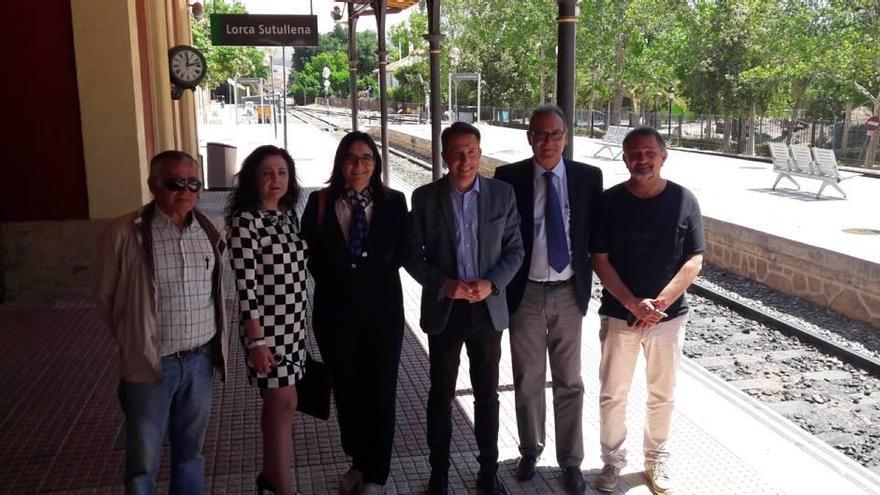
(548, 297)
(463, 246)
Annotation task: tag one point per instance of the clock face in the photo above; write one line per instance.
(187, 66)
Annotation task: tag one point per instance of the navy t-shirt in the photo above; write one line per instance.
(647, 241)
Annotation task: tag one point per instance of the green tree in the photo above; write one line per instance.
(226, 62)
(512, 45)
(310, 80)
(413, 80)
(337, 41)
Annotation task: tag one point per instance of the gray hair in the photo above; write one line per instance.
(644, 131)
(161, 160)
(547, 109)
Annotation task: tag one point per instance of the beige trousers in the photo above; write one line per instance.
(548, 322)
(621, 344)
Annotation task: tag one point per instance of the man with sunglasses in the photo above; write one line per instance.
(548, 297)
(158, 284)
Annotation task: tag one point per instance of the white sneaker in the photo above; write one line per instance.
(659, 480)
(607, 479)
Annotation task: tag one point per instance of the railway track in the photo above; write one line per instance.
(829, 388)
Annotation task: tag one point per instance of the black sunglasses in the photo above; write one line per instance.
(179, 183)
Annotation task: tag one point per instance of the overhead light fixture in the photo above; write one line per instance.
(198, 10)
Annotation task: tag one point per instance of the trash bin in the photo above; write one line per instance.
(221, 165)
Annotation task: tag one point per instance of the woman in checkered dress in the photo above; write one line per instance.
(269, 261)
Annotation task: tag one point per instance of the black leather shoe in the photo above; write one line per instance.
(574, 480)
(263, 485)
(487, 480)
(525, 469)
(438, 484)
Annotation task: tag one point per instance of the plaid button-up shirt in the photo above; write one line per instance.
(183, 261)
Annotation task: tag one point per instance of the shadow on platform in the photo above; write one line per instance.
(799, 195)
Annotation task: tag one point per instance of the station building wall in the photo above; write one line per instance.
(86, 103)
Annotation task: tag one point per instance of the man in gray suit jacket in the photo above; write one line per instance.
(463, 246)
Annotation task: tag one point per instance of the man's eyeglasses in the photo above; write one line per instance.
(179, 183)
(540, 136)
(352, 159)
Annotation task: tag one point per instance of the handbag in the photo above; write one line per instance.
(313, 390)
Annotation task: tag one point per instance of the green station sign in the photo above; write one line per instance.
(264, 30)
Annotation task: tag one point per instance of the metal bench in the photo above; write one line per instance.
(613, 138)
(799, 161)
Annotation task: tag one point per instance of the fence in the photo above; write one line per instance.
(731, 135)
(686, 130)
(408, 111)
(722, 134)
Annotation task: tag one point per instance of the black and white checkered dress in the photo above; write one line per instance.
(269, 260)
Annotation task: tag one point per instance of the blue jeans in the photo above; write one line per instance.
(183, 403)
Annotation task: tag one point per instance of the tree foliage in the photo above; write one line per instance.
(332, 52)
(799, 58)
(226, 62)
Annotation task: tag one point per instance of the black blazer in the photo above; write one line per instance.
(584, 187)
(373, 285)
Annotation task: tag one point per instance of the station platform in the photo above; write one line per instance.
(60, 418)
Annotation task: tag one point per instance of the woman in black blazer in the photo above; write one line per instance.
(355, 230)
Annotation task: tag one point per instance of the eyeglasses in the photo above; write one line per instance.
(541, 136)
(179, 183)
(352, 159)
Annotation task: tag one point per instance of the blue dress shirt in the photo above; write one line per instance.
(467, 224)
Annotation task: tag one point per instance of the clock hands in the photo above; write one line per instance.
(192, 60)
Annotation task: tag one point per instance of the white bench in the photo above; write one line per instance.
(798, 161)
(613, 138)
(782, 163)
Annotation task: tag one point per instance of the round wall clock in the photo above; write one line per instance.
(188, 66)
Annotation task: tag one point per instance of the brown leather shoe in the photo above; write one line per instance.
(607, 479)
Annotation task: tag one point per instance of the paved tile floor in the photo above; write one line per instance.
(60, 419)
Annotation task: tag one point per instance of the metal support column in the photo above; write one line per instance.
(479, 87)
(352, 65)
(379, 9)
(449, 96)
(567, 27)
(283, 92)
(434, 38)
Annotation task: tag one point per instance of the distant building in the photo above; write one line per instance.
(392, 68)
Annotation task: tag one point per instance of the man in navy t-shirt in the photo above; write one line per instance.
(647, 249)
